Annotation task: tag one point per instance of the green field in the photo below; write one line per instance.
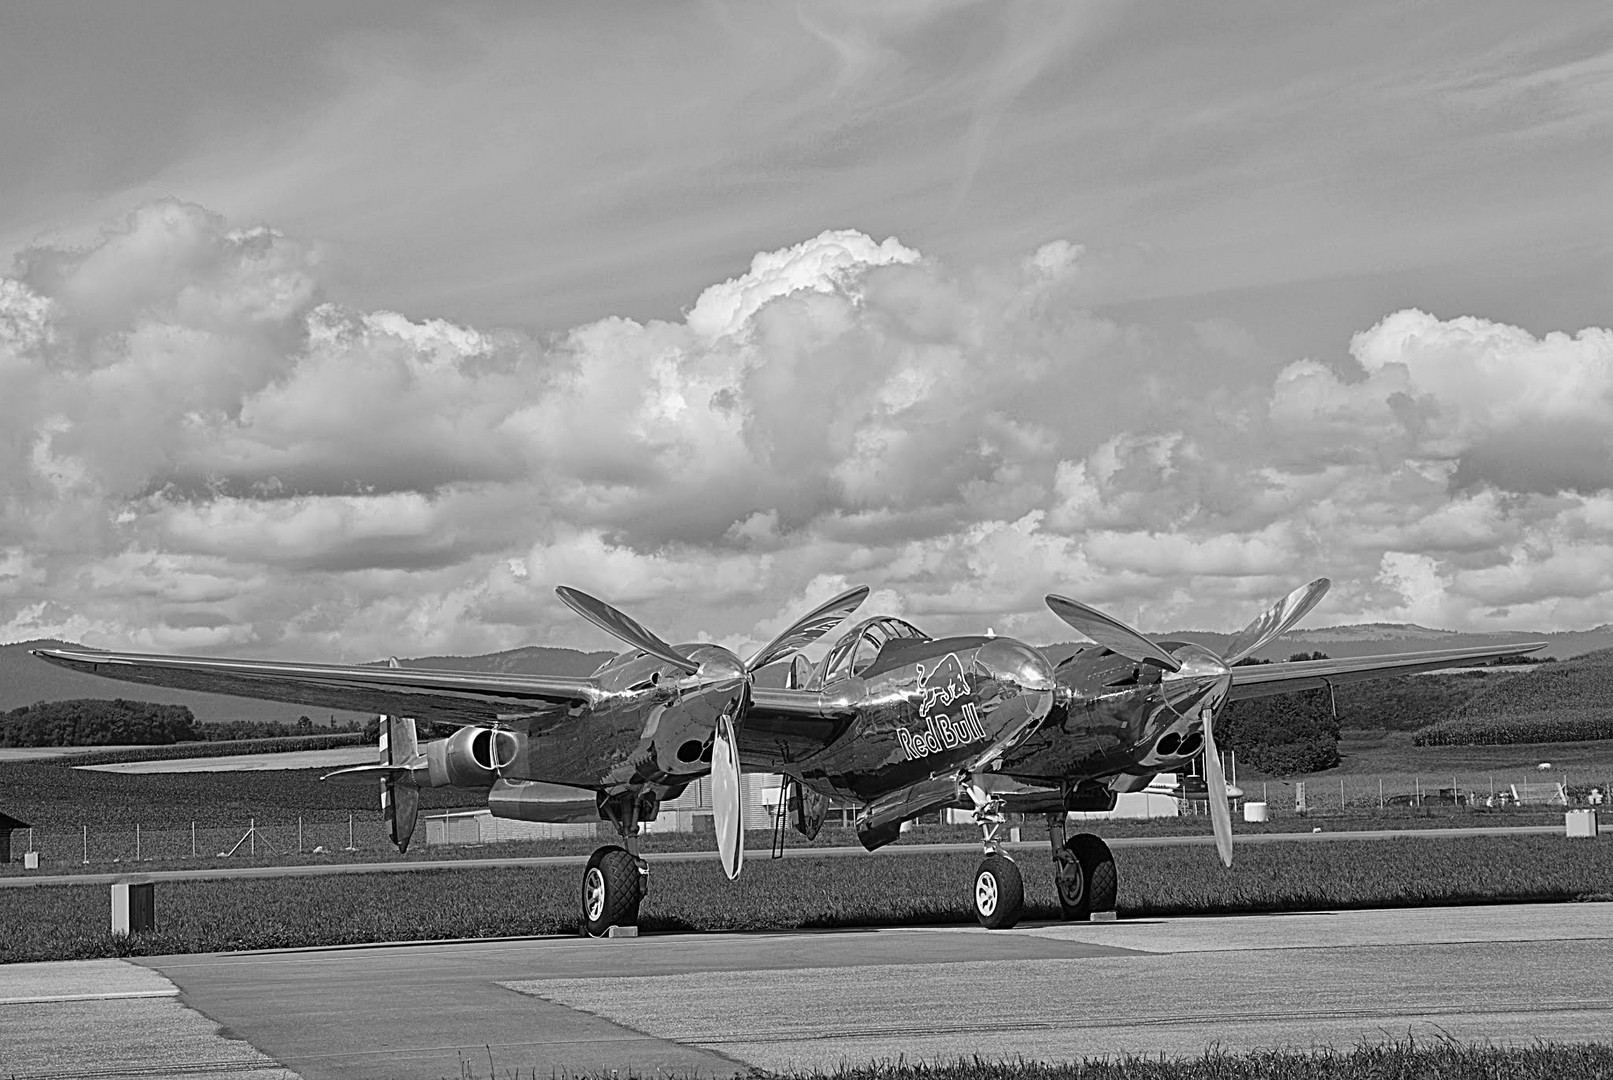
(53, 795)
(63, 922)
(47, 794)
(1386, 764)
(86, 821)
(1386, 753)
(120, 847)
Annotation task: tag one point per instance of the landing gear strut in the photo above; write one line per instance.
(616, 878)
(999, 889)
(1083, 871)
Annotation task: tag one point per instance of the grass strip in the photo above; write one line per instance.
(71, 921)
(61, 850)
(1397, 1060)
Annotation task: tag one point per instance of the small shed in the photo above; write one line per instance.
(8, 825)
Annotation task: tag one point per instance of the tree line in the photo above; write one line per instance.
(118, 722)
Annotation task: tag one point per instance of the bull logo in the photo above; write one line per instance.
(951, 717)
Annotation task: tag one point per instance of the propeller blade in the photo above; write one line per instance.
(623, 628)
(728, 798)
(1110, 632)
(1276, 620)
(809, 628)
(1216, 781)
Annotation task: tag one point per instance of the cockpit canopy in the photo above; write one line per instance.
(859, 647)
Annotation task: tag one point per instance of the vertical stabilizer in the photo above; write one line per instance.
(400, 798)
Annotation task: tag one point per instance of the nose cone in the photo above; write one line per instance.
(1202, 683)
(1013, 664)
(720, 666)
(720, 686)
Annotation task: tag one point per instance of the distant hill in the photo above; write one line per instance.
(1583, 684)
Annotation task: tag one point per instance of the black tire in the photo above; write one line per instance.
(999, 893)
(612, 889)
(1086, 857)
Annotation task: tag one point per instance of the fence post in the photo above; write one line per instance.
(1380, 793)
(137, 841)
(1341, 794)
(299, 834)
(193, 839)
(350, 846)
(86, 829)
(252, 831)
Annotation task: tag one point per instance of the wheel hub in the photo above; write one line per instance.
(1071, 880)
(593, 890)
(986, 894)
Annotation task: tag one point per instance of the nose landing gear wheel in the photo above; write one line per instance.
(1085, 877)
(612, 888)
(999, 893)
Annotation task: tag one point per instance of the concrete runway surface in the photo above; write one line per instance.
(715, 1004)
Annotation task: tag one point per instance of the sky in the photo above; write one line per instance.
(342, 331)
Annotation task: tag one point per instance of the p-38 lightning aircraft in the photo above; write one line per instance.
(897, 721)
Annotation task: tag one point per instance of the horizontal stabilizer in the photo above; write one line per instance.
(366, 772)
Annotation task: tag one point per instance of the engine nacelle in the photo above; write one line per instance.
(471, 757)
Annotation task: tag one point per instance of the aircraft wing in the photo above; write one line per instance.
(453, 697)
(1260, 680)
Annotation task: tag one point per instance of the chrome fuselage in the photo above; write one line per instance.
(920, 708)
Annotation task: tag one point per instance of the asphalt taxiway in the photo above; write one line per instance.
(717, 1004)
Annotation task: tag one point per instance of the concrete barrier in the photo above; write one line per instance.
(1581, 822)
(134, 907)
(1254, 811)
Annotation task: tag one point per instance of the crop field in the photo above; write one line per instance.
(1541, 727)
(69, 922)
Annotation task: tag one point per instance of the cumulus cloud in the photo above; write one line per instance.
(200, 450)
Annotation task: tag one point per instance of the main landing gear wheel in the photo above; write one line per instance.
(612, 888)
(1085, 877)
(999, 893)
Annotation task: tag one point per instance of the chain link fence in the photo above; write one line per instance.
(1488, 792)
(66, 847)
